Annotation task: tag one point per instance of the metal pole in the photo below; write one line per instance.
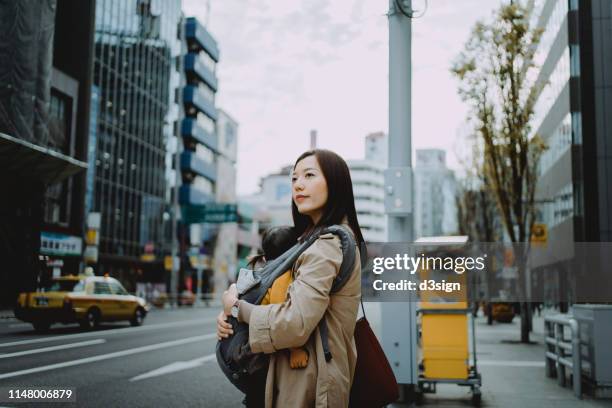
(399, 330)
(199, 285)
(576, 358)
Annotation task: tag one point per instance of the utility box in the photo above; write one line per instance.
(595, 328)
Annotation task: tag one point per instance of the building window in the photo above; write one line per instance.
(575, 60)
(203, 184)
(205, 122)
(208, 61)
(577, 128)
(59, 122)
(56, 203)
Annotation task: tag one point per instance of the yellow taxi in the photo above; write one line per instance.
(87, 300)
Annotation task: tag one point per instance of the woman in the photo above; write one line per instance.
(322, 195)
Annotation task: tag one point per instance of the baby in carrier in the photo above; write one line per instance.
(274, 242)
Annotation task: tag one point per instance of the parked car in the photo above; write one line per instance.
(501, 311)
(87, 300)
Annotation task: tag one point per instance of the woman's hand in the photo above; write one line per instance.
(230, 296)
(224, 329)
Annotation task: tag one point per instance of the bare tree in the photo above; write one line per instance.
(494, 71)
(476, 210)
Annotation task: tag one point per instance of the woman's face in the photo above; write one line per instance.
(309, 188)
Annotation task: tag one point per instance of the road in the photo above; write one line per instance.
(170, 362)
(167, 362)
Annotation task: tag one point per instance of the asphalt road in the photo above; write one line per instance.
(167, 362)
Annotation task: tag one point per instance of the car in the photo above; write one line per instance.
(501, 311)
(87, 300)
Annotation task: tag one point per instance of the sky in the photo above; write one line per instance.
(289, 66)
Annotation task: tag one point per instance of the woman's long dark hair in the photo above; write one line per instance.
(340, 199)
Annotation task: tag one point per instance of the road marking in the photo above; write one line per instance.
(53, 348)
(108, 356)
(175, 367)
(510, 363)
(99, 333)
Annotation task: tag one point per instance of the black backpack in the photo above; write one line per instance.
(234, 354)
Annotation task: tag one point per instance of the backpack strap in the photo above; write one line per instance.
(346, 269)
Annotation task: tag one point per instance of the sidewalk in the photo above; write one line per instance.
(512, 373)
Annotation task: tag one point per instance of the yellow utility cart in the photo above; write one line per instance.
(443, 323)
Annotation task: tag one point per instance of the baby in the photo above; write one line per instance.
(274, 242)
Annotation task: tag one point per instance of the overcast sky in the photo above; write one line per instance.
(289, 66)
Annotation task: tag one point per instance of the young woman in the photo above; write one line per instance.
(322, 195)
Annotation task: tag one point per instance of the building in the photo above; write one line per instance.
(45, 86)
(273, 201)
(368, 187)
(198, 153)
(571, 114)
(135, 49)
(225, 256)
(435, 211)
(377, 147)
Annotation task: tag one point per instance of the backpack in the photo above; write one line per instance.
(234, 355)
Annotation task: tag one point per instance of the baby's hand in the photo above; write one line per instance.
(298, 357)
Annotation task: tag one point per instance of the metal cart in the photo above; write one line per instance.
(472, 378)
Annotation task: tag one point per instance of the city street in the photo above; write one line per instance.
(169, 361)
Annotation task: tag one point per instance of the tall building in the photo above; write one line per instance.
(435, 211)
(135, 50)
(225, 260)
(198, 152)
(198, 127)
(571, 114)
(368, 188)
(45, 86)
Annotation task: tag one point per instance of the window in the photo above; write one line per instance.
(118, 289)
(205, 122)
(63, 286)
(59, 122)
(79, 287)
(102, 288)
(57, 203)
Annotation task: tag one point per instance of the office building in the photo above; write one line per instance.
(368, 188)
(45, 86)
(435, 205)
(225, 256)
(572, 115)
(135, 75)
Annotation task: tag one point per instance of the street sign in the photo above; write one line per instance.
(91, 254)
(539, 233)
(168, 263)
(219, 218)
(213, 213)
(147, 257)
(92, 237)
(60, 244)
(221, 208)
(94, 220)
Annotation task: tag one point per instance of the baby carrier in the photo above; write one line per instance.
(234, 354)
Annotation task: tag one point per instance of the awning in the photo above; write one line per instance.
(36, 162)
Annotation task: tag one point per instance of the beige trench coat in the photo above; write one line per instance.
(275, 328)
